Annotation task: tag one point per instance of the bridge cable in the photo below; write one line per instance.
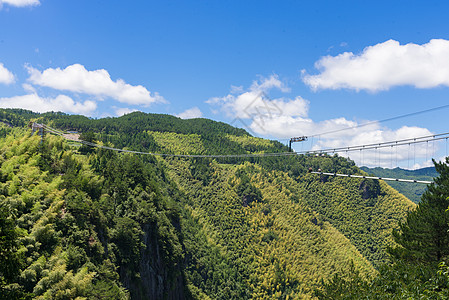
(374, 177)
(60, 133)
(384, 120)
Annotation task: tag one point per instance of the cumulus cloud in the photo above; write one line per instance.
(6, 76)
(265, 84)
(121, 111)
(383, 66)
(190, 113)
(39, 104)
(20, 3)
(76, 78)
(256, 105)
(283, 118)
(387, 156)
(351, 134)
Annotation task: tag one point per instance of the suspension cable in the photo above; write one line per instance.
(384, 120)
(274, 154)
(374, 177)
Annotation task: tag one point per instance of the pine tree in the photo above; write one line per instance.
(424, 236)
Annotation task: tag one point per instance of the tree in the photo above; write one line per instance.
(246, 190)
(10, 260)
(89, 137)
(424, 236)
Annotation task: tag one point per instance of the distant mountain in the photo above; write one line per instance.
(413, 191)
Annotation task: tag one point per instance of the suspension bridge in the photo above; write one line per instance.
(373, 177)
(366, 147)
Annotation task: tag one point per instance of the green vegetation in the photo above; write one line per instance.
(418, 259)
(278, 245)
(363, 210)
(411, 191)
(80, 220)
(93, 223)
(424, 236)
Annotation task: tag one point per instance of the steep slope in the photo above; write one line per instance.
(224, 228)
(279, 245)
(365, 211)
(80, 231)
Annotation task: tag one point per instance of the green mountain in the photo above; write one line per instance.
(95, 223)
(411, 191)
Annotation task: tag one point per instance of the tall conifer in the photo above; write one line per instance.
(424, 236)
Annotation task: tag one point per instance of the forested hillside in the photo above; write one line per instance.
(411, 191)
(418, 266)
(94, 223)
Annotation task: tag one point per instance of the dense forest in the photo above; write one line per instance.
(79, 221)
(417, 266)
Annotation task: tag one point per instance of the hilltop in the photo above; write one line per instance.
(93, 222)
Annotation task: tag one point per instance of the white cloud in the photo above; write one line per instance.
(39, 104)
(190, 113)
(120, 111)
(20, 3)
(269, 83)
(283, 118)
(255, 104)
(29, 88)
(6, 76)
(284, 127)
(383, 66)
(387, 156)
(425, 164)
(350, 135)
(76, 78)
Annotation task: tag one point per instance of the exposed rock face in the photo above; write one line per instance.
(157, 279)
(369, 188)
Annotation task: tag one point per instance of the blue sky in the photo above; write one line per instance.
(282, 68)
